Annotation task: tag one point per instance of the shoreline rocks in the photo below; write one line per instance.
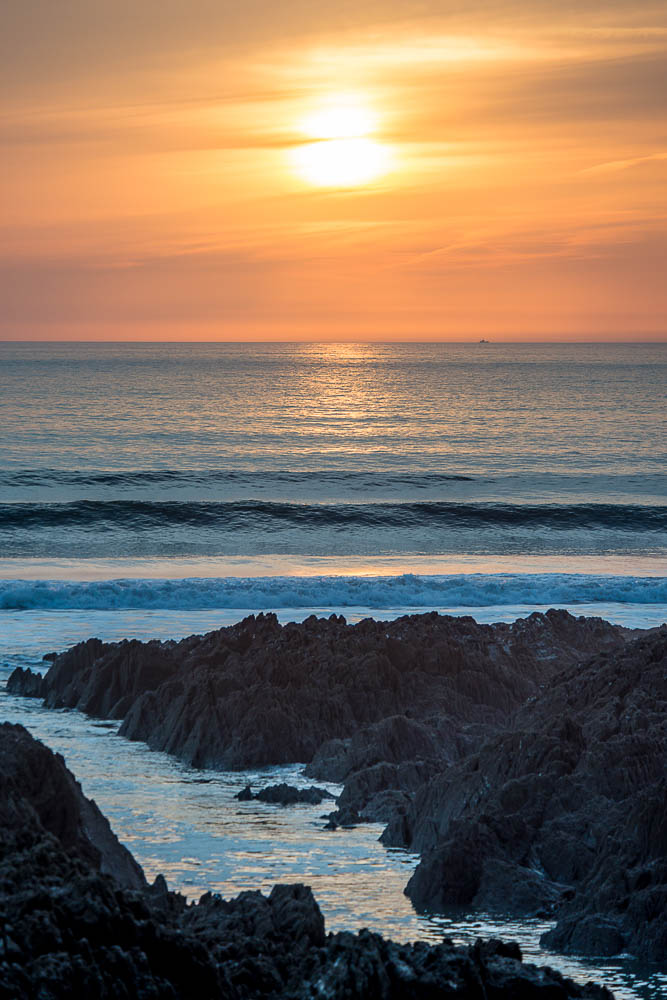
(525, 763)
(67, 928)
(563, 813)
(258, 693)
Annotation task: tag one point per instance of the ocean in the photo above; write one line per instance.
(164, 489)
(380, 477)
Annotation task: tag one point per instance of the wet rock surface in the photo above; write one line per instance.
(564, 812)
(68, 929)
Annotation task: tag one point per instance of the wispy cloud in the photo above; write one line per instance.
(614, 166)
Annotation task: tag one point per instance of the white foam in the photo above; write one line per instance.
(471, 590)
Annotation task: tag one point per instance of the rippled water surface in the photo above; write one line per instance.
(453, 409)
(233, 449)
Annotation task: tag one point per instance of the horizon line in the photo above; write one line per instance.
(315, 340)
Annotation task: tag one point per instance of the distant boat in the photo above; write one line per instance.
(482, 341)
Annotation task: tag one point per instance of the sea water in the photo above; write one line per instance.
(165, 489)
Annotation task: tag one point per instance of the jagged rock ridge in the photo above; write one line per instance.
(565, 811)
(259, 693)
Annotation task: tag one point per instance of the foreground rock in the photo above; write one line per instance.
(37, 791)
(69, 929)
(259, 693)
(565, 812)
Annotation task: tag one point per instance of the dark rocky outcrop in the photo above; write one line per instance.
(563, 812)
(259, 693)
(285, 795)
(524, 762)
(37, 790)
(67, 929)
(100, 679)
(27, 682)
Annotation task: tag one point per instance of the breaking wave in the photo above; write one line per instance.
(267, 593)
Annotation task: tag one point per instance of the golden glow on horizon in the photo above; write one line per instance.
(344, 154)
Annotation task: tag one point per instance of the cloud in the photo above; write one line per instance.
(49, 48)
(614, 166)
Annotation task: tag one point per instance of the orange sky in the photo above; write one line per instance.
(154, 188)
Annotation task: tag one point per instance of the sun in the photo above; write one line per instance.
(342, 118)
(340, 162)
(343, 153)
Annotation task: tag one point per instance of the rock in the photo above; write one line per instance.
(27, 682)
(258, 693)
(565, 811)
(524, 892)
(379, 791)
(67, 929)
(382, 765)
(503, 754)
(103, 680)
(285, 795)
(37, 789)
(589, 935)
(365, 965)
(345, 818)
(391, 740)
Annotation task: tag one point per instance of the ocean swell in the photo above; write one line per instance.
(123, 479)
(235, 515)
(267, 593)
